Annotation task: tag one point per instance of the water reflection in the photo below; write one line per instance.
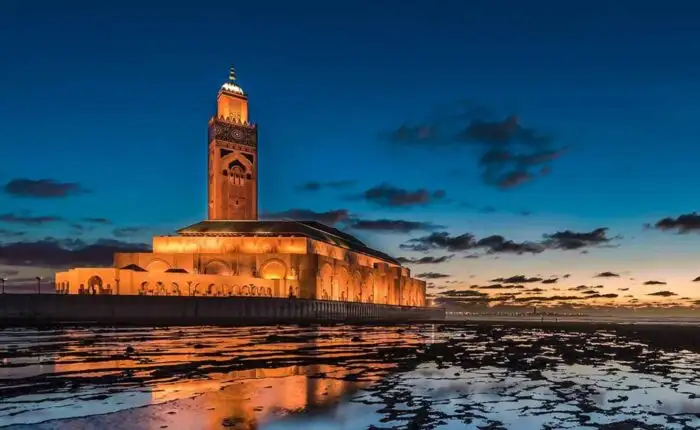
(342, 377)
(237, 376)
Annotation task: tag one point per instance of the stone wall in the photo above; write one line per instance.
(307, 276)
(31, 308)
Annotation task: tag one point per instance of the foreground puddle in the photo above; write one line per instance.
(342, 377)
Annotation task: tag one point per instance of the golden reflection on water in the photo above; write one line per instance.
(289, 377)
(251, 398)
(201, 378)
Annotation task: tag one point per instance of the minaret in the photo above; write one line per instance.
(233, 156)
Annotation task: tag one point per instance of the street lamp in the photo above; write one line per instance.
(3, 279)
(38, 283)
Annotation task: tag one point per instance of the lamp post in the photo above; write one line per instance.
(38, 284)
(3, 279)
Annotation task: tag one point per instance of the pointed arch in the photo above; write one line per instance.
(273, 268)
(217, 267)
(157, 265)
(325, 281)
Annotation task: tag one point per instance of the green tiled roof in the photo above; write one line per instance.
(311, 229)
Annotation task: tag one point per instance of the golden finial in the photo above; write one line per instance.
(232, 74)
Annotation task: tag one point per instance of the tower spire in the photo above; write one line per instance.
(230, 85)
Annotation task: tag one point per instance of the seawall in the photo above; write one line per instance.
(24, 309)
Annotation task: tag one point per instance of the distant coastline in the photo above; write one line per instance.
(591, 319)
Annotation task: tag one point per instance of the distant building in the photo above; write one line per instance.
(234, 254)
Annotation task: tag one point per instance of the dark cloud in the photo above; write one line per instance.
(569, 240)
(682, 224)
(497, 244)
(512, 179)
(467, 241)
(335, 185)
(588, 292)
(329, 218)
(602, 296)
(568, 275)
(97, 221)
(463, 293)
(535, 290)
(550, 281)
(585, 287)
(607, 275)
(499, 287)
(697, 279)
(11, 234)
(386, 195)
(655, 283)
(520, 279)
(441, 240)
(432, 275)
(42, 188)
(392, 225)
(61, 253)
(623, 289)
(507, 296)
(28, 219)
(471, 256)
(663, 294)
(508, 154)
(426, 260)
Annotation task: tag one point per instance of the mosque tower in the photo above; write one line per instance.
(233, 157)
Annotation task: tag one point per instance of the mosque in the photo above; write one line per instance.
(232, 253)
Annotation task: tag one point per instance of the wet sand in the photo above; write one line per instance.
(491, 375)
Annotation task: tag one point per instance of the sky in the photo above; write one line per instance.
(545, 139)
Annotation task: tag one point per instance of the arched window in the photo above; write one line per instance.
(217, 267)
(160, 289)
(95, 285)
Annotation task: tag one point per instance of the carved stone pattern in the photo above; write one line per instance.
(242, 148)
(233, 133)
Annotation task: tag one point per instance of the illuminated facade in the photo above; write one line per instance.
(234, 254)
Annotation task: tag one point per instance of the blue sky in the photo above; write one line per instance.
(116, 98)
